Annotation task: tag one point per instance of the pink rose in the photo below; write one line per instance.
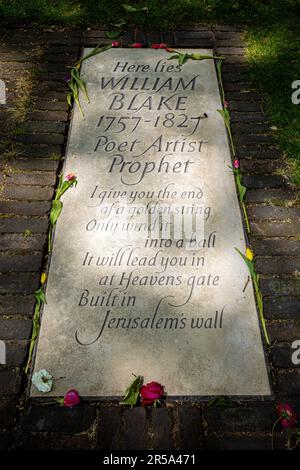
(287, 415)
(137, 45)
(159, 46)
(71, 398)
(151, 392)
(115, 44)
(236, 164)
(70, 177)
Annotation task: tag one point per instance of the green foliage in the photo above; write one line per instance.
(112, 34)
(222, 402)
(184, 57)
(76, 83)
(241, 188)
(27, 233)
(57, 205)
(259, 299)
(40, 299)
(132, 392)
(56, 209)
(274, 55)
(132, 9)
(160, 15)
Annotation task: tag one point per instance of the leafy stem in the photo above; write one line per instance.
(76, 83)
(40, 300)
(57, 205)
(255, 279)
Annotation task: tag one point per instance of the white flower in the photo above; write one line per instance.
(42, 380)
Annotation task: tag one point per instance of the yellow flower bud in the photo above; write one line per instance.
(249, 254)
(43, 278)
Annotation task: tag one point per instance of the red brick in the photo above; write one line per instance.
(276, 229)
(12, 283)
(15, 329)
(135, 428)
(23, 224)
(15, 241)
(25, 207)
(161, 429)
(16, 305)
(9, 382)
(22, 192)
(20, 263)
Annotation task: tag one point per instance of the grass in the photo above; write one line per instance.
(273, 42)
(24, 86)
(274, 54)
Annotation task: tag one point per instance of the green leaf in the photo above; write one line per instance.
(182, 59)
(121, 23)
(79, 106)
(112, 34)
(40, 297)
(131, 9)
(175, 56)
(74, 87)
(249, 263)
(55, 211)
(241, 188)
(226, 116)
(69, 98)
(82, 86)
(201, 56)
(97, 50)
(221, 402)
(133, 391)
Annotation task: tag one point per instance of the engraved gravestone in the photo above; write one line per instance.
(144, 276)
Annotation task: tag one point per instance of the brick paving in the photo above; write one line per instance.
(33, 135)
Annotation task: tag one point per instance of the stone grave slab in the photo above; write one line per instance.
(144, 277)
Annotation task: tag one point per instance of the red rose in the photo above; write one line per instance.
(70, 177)
(115, 44)
(159, 46)
(137, 45)
(287, 415)
(151, 392)
(236, 164)
(71, 398)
